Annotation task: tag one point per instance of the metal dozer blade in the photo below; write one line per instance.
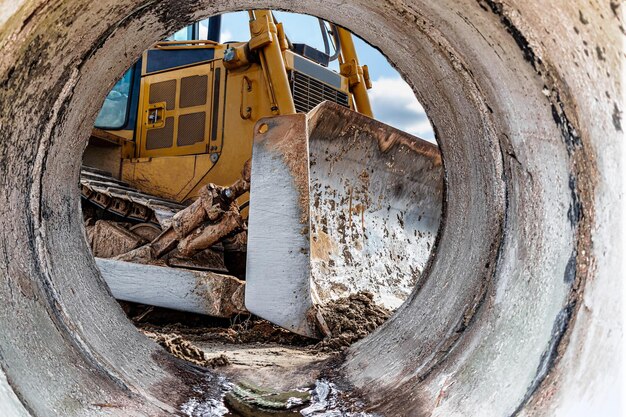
(339, 203)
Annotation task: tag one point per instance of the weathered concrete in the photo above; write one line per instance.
(517, 311)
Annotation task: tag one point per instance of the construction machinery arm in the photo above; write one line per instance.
(358, 75)
(269, 40)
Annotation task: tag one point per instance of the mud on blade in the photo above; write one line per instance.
(339, 203)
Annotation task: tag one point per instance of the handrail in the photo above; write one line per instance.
(195, 44)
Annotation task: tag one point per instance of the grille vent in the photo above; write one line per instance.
(193, 91)
(309, 92)
(161, 138)
(164, 91)
(191, 128)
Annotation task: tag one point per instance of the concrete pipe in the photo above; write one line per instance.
(518, 312)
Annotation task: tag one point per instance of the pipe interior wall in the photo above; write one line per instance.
(516, 313)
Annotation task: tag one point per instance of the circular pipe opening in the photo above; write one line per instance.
(372, 244)
(502, 290)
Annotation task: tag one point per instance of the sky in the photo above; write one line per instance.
(392, 99)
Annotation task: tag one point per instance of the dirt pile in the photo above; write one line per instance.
(349, 319)
(344, 321)
(252, 330)
(183, 349)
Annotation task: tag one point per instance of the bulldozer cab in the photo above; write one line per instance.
(119, 110)
(184, 114)
(178, 110)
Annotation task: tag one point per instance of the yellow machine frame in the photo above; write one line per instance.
(248, 91)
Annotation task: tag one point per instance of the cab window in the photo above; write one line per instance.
(185, 34)
(114, 111)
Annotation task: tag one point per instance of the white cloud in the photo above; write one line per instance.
(394, 103)
(226, 36)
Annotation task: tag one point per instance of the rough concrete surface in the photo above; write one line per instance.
(516, 310)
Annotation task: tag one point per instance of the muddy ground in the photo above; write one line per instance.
(249, 342)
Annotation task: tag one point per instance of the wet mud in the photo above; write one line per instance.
(344, 322)
(251, 330)
(184, 349)
(350, 319)
(264, 362)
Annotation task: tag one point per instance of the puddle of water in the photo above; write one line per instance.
(238, 400)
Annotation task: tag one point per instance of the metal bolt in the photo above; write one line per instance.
(263, 128)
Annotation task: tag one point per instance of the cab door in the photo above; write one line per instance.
(175, 114)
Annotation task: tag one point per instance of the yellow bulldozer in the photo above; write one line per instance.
(256, 160)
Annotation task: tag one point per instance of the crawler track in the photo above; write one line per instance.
(103, 190)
